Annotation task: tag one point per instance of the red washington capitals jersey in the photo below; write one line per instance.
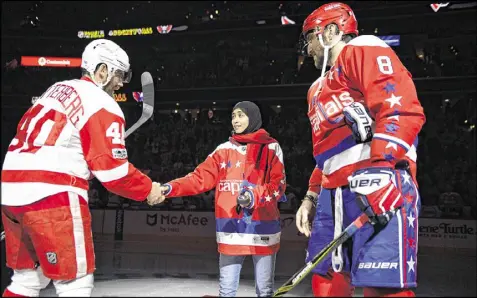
(367, 71)
(257, 234)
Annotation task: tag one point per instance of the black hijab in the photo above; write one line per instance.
(254, 116)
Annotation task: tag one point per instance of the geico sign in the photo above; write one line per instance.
(50, 61)
(120, 97)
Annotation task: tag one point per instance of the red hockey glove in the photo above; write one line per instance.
(377, 195)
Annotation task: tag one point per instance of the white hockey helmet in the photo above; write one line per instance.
(108, 52)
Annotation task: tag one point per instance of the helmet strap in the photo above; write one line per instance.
(108, 78)
(327, 48)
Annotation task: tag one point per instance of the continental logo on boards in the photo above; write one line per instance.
(50, 61)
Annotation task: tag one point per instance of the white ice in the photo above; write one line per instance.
(188, 268)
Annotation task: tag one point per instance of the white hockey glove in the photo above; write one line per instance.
(361, 124)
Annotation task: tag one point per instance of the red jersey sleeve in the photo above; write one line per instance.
(102, 141)
(374, 69)
(202, 179)
(314, 184)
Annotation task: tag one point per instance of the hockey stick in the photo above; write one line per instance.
(147, 103)
(303, 272)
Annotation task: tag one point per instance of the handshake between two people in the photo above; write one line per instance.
(157, 194)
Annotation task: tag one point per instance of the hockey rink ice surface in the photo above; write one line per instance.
(440, 274)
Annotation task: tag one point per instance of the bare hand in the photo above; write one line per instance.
(164, 189)
(302, 218)
(156, 196)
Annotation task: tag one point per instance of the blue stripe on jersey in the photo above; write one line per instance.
(345, 144)
(234, 225)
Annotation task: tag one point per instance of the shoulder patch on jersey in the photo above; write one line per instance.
(229, 145)
(120, 153)
(278, 150)
(368, 40)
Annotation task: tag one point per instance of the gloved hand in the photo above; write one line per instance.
(361, 124)
(376, 193)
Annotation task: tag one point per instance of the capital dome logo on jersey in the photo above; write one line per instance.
(164, 29)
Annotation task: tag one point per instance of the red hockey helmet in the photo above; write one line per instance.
(331, 13)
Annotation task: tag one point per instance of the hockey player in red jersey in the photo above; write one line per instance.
(248, 175)
(73, 132)
(365, 117)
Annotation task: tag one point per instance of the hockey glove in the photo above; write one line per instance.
(357, 118)
(376, 193)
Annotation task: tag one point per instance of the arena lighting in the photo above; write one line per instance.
(180, 28)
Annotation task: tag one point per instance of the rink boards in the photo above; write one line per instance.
(148, 225)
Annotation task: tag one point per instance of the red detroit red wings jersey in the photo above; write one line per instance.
(366, 71)
(73, 131)
(224, 170)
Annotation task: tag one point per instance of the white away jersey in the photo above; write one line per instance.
(73, 131)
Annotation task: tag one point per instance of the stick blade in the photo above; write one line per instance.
(147, 102)
(147, 89)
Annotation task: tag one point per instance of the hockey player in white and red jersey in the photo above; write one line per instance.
(365, 117)
(73, 132)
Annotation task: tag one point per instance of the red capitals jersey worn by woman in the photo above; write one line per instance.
(226, 169)
(367, 71)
